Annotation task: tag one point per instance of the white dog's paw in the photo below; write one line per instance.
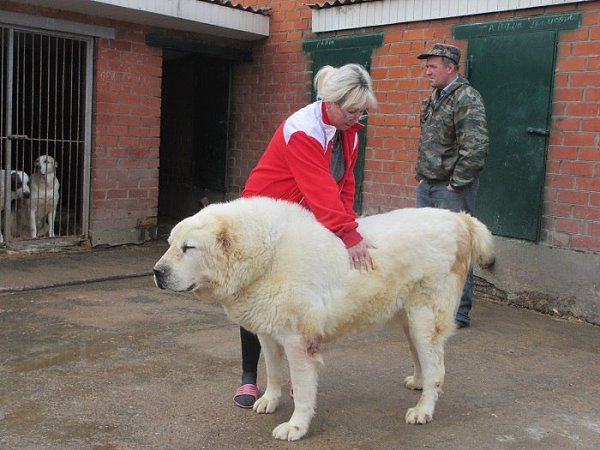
(266, 405)
(288, 432)
(416, 416)
(413, 383)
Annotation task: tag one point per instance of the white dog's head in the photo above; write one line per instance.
(215, 253)
(45, 165)
(197, 257)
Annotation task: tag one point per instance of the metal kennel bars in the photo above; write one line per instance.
(45, 100)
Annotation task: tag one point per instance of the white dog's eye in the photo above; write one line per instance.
(185, 248)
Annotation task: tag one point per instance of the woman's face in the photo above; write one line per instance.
(343, 118)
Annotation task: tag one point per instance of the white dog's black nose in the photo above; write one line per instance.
(158, 278)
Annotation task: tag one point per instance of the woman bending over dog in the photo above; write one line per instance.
(310, 161)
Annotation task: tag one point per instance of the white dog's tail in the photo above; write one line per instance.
(482, 243)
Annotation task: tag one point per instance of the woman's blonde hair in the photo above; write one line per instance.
(349, 86)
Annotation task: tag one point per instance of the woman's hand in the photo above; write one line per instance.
(360, 259)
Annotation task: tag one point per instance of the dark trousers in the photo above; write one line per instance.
(250, 350)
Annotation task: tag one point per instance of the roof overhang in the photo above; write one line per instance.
(183, 15)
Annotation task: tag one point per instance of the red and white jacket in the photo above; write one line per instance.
(295, 167)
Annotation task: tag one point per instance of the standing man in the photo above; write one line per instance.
(453, 145)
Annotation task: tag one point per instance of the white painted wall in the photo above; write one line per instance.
(185, 15)
(388, 12)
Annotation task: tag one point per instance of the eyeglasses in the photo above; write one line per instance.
(354, 114)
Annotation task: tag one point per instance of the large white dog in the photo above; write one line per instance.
(283, 276)
(43, 202)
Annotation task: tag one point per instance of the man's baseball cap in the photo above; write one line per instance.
(449, 51)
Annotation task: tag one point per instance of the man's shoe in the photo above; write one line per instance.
(460, 324)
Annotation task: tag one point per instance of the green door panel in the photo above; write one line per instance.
(337, 52)
(514, 74)
(339, 57)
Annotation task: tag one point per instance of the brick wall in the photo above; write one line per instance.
(275, 84)
(125, 130)
(278, 82)
(572, 196)
(126, 136)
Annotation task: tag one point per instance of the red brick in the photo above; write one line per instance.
(594, 64)
(550, 195)
(567, 226)
(591, 125)
(576, 168)
(413, 35)
(559, 109)
(588, 184)
(573, 197)
(567, 124)
(586, 213)
(579, 34)
(591, 243)
(560, 181)
(594, 229)
(582, 109)
(584, 79)
(590, 154)
(552, 209)
(564, 49)
(394, 36)
(568, 94)
(572, 64)
(383, 154)
(400, 47)
(580, 139)
(407, 84)
(380, 177)
(562, 80)
(97, 195)
(116, 193)
(586, 48)
(556, 138)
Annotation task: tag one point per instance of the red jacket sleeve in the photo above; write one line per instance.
(310, 168)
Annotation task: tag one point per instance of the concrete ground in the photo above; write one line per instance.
(93, 356)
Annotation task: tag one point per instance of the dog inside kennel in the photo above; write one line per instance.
(42, 130)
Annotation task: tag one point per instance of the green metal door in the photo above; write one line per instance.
(513, 73)
(337, 52)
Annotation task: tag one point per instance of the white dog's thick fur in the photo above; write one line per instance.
(283, 276)
(18, 189)
(43, 201)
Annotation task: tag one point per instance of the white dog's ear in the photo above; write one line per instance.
(224, 239)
